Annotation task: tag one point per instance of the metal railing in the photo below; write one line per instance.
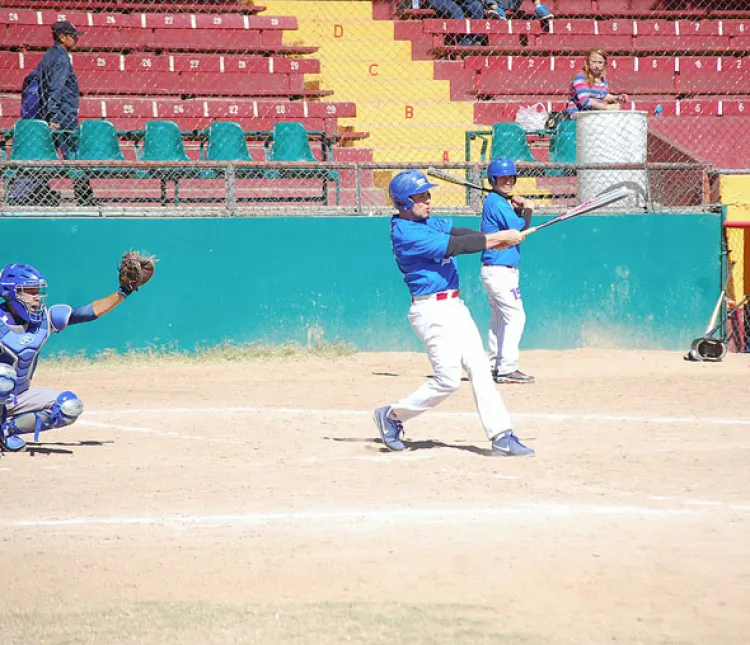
(108, 188)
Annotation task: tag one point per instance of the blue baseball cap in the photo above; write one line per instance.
(65, 28)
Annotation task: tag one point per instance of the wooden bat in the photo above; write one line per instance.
(591, 205)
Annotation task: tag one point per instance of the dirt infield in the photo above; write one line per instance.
(251, 503)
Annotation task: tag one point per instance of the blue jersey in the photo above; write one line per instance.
(419, 248)
(498, 215)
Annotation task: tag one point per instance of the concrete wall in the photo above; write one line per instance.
(647, 281)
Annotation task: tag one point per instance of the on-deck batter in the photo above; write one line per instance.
(503, 212)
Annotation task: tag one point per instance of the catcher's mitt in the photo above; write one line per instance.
(134, 271)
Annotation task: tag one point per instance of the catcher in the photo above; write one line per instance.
(25, 325)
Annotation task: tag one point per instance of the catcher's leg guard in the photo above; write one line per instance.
(7, 383)
(66, 408)
(8, 439)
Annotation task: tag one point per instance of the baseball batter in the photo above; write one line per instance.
(503, 212)
(25, 325)
(424, 249)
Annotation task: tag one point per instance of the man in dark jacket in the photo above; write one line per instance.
(60, 96)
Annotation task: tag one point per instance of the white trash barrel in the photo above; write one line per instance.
(617, 136)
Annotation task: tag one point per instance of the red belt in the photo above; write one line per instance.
(440, 295)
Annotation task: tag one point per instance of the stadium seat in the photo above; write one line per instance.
(713, 75)
(32, 141)
(163, 142)
(290, 142)
(226, 142)
(509, 140)
(562, 147)
(520, 75)
(98, 141)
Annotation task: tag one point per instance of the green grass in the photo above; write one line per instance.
(289, 624)
(171, 354)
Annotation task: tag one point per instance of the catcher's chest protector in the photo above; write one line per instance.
(22, 347)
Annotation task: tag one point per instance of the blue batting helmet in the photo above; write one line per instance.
(500, 168)
(404, 185)
(15, 279)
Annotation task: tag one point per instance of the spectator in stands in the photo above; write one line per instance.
(590, 89)
(458, 10)
(497, 8)
(59, 99)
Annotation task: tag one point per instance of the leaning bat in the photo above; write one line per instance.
(452, 179)
(719, 302)
(591, 205)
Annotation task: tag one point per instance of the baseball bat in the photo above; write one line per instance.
(452, 179)
(586, 207)
(719, 302)
(730, 313)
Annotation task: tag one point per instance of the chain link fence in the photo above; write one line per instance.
(311, 106)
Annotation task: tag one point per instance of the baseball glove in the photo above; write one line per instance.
(134, 271)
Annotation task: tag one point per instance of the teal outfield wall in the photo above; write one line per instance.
(645, 281)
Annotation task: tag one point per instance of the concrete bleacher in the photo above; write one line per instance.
(193, 63)
(195, 6)
(687, 60)
(397, 9)
(136, 62)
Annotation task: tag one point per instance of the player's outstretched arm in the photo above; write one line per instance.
(133, 271)
(106, 304)
(465, 240)
(64, 315)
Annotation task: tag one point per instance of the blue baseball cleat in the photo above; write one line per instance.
(12, 443)
(507, 444)
(391, 430)
(543, 13)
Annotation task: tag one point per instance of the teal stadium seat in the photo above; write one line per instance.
(509, 140)
(562, 148)
(163, 142)
(32, 141)
(98, 141)
(290, 142)
(226, 142)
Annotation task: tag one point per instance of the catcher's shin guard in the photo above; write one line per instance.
(7, 383)
(63, 412)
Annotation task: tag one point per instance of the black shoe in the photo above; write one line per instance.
(514, 377)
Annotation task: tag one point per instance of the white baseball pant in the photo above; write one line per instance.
(507, 318)
(453, 342)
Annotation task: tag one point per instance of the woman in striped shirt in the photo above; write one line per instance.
(589, 89)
